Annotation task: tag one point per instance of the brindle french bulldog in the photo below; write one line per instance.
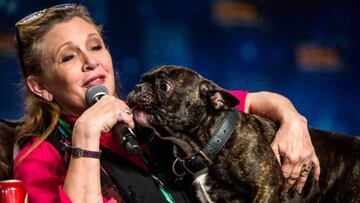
(182, 106)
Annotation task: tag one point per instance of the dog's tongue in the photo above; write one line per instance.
(141, 117)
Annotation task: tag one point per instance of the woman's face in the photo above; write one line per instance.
(74, 59)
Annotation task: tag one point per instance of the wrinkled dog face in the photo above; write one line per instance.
(175, 98)
(167, 96)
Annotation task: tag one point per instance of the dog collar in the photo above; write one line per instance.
(204, 157)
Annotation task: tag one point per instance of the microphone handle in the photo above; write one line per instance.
(127, 138)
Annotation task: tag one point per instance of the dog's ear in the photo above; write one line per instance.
(219, 98)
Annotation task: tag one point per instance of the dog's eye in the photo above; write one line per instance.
(165, 86)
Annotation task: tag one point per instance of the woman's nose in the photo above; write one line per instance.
(90, 62)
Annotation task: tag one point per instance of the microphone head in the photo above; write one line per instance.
(94, 93)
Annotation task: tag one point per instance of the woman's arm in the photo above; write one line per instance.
(42, 172)
(82, 181)
(292, 144)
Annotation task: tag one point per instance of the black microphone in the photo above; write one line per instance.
(123, 133)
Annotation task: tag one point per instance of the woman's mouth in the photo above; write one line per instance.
(97, 80)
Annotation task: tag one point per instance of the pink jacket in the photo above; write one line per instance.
(43, 171)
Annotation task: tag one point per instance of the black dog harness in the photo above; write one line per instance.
(204, 157)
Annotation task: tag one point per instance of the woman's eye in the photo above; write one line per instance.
(67, 58)
(95, 48)
(165, 86)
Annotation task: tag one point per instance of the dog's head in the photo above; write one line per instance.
(176, 98)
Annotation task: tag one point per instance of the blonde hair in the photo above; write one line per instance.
(41, 116)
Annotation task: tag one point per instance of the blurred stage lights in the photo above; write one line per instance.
(233, 13)
(318, 58)
(6, 43)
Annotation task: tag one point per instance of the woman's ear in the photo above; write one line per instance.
(37, 87)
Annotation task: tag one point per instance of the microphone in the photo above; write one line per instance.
(123, 133)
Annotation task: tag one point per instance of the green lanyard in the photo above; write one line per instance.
(166, 194)
(161, 185)
(65, 125)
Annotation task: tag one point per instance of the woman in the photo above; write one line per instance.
(62, 54)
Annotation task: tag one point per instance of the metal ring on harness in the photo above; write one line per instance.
(174, 171)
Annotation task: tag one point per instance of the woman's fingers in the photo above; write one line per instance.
(291, 170)
(292, 142)
(126, 116)
(105, 113)
(312, 165)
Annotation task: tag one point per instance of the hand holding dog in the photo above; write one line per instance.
(292, 144)
(293, 149)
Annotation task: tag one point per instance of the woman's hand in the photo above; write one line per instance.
(292, 144)
(82, 181)
(100, 118)
(293, 149)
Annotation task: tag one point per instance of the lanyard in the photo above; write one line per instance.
(157, 180)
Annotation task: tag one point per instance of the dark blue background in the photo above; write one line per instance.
(145, 33)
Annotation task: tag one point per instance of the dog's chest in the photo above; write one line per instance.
(201, 189)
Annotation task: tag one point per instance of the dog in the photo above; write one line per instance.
(181, 106)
